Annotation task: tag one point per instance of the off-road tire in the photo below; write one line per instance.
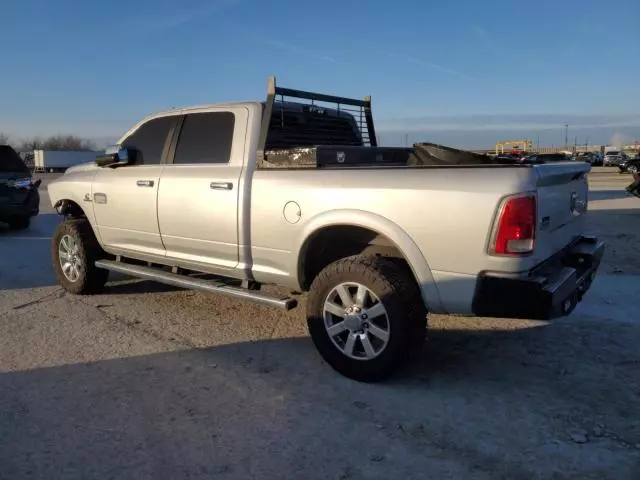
(92, 279)
(413, 297)
(19, 223)
(392, 282)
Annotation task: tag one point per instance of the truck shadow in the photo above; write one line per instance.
(198, 412)
(120, 284)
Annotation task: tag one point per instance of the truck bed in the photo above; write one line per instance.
(349, 156)
(336, 156)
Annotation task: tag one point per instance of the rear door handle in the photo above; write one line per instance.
(145, 183)
(221, 185)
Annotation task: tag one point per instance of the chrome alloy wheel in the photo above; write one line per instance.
(70, 260)
(356, 321)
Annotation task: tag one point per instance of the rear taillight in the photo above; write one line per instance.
(515, 231)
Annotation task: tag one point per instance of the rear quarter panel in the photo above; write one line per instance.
(442, 215)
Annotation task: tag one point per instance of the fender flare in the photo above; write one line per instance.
(382, 226)
(62, 202)
(65, 206)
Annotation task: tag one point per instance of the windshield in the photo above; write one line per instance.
(10, 161)
(613, 153)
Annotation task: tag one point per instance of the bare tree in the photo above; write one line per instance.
(57, 142)
(34, 143)
(66, 142)
(4, 139)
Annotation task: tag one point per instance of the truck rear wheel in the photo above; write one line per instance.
(74, 252)
(364, 314)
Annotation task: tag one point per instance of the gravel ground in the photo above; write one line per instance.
(146, 381)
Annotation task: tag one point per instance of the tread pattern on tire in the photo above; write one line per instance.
(394, 284)
(414, 300)
(93, 279)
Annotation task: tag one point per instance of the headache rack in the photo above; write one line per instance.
(297, 125)
(314, 130)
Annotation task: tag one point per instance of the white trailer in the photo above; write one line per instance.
(612, 148)
(60, 160)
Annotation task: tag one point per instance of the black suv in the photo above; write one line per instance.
(19, 196)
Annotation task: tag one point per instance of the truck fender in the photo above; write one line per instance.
(382, 226)
(61, 201)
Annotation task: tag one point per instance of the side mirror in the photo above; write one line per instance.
(116, 156)
(37, 183)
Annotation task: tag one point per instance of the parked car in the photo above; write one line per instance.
(545, 158)
(613, 158)
(288, 193)
(600, 159)
(630, 165)
(19, 196)
(508, 158)
(588, 157)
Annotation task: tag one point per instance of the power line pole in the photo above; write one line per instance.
(566, 135)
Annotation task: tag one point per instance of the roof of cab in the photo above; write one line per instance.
(254, 105)
(190, 109)
(199, 108)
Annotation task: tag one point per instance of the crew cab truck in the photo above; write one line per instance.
(227, 198)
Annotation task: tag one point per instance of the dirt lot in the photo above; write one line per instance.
(150, 382)
(616, 218)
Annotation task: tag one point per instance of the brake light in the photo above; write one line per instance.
(516, 228)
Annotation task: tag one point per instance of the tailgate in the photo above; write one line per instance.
(562, 205)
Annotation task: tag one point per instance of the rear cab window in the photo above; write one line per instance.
(295, 125)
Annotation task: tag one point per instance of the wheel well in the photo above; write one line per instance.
(69, 209)
(333, 243)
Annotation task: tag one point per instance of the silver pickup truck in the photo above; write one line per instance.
(292, 192)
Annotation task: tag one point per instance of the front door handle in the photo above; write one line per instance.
(145, 183)
(221, 185)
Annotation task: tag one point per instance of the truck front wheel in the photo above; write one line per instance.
(364, 314)
(74, 252)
